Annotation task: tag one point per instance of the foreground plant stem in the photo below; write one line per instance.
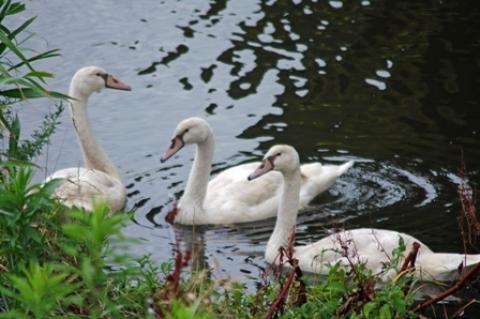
(450, 290)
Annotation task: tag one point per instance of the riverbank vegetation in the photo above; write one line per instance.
(57, 262)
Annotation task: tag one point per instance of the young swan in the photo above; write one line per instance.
(99, 180)
(367, 245)
(229, 198)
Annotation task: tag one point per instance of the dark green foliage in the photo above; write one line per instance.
(28, 149)
(38, 291)
(19, 80)
(343, 293)
(54, 261)
(25, 212)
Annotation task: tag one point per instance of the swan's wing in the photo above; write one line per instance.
(83, 187)
(237, 173)
(231, 197)
(317, 178)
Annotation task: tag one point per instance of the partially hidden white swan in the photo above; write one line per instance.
(229, 198)
(367, 245)
(99, 180)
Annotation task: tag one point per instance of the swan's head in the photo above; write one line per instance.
(92, 78)
(283, 158)
(193, 130)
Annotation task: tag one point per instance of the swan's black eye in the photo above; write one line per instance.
(278, 154)
(98, 74)
(186, 130)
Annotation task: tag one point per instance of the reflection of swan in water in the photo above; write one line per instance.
(229, 198)
(99, 180)
(193, 240)
(372, 246)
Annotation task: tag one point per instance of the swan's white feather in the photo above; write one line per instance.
(374, 248)
(83, 187)
(99, 181)
(231, 198)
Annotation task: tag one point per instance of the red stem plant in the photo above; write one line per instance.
(468, 217)
(285, 255)
(171, 289)
(469, 212)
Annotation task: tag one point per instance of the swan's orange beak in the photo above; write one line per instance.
(177, 144)
(265, 167)
(112, 83)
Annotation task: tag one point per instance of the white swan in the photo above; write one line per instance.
(99, 180)
(370, 246)
(229, 198)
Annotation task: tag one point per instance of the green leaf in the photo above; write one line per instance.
(22, 27)
(39, 74)
(88, 271)
(368, 308)
(74, 231)
(15, 8)
(13, 314)
(25, 93)
(49, 187)
(41, 56)
(5, 40)
(4, 212)
(385, 312)
(69, 249)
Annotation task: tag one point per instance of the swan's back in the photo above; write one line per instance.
(367, 245)
(234, 181)
(231, 198)
(84, 187)
(374, 248)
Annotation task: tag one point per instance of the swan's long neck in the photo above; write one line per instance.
(93, 154)
(286, 216)
(197, 184)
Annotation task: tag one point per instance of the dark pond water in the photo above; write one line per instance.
(394, 85)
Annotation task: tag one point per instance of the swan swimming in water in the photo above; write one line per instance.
(229, 198)
(372, 246)
(99, 180)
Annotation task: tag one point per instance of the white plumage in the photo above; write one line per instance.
(374, 248)
(366, 245)
(229, 197)
(99, 180)
(84, 187)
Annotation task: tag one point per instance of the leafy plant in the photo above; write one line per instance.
(39, 292)
(117, 289)
(27, 149)
(16, 69)
(25, 212)
(72, 276)
(19, 80)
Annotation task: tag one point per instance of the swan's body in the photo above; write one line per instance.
(374, 248)
(99, 180)
(85, 187)
(229, 198)
(366, 245)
